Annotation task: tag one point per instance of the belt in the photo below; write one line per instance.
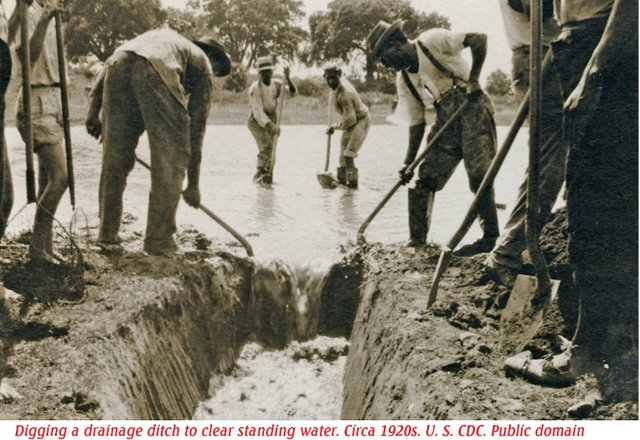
(44, 86)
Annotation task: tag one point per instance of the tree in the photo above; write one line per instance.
(341, 31)
(98, 27)
(498, 83)
(187, 22)
(251, 28)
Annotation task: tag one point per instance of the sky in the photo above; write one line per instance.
(464, 15)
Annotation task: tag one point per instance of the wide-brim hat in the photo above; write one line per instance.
(380, 34)
(215, 51)
(265, 63)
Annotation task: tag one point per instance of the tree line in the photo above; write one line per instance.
(248, 29)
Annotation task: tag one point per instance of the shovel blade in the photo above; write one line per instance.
(522, 318)
(327, 180)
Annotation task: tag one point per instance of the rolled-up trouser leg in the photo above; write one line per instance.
(121, 128)
(167, 124)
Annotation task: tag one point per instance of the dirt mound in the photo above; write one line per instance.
(446, 362)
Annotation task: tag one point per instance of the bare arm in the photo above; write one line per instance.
(477, 43)
(36, 41)
(93, 125)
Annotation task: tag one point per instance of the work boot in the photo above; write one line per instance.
(420, 206)
(483, 245)
(341, 173)
(259, 173)
(352, 177)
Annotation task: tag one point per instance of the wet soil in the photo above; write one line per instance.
(446, 362)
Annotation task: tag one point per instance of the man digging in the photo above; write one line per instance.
(159, 82)
(354, 124)
(432, 68)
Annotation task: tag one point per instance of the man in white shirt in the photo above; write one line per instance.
(159, 82)
(264, 95)
(432, 68)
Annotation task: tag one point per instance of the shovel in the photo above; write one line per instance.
(26, 99)
(326, 179)
(487, 182)
(531, 296)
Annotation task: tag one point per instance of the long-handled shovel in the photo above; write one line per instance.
(325, 178)
(410, 168)
(26, 99)
(215, 218)
(64, 95)
(268, 177)
(487, 182)
(530, 296)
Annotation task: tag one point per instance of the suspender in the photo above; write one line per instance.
(412, 88)
(438, 65)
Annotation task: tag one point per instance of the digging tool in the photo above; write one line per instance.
(26, 99)
(531, 296)
(409, 169)
(487, 182)
(268, 177)
(214, 217)
(325, 178)
(64, 96)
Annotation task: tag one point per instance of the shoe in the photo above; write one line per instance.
(416, 243)
(110, 247)
(480, 246)
(502, 274)
(341, 175)
(554, 371)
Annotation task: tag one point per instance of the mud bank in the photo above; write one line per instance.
(149, 332)
(446, 362)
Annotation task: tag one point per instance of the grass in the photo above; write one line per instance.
(233, 109)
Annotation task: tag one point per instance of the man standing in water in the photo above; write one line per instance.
(47, 126)
(433, 68)
(354, 124)
(505, 260)
(264, 95)
(159, 82)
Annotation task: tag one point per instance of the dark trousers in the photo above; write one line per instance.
(602, 193)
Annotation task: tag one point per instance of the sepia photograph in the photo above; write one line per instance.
(318, 210)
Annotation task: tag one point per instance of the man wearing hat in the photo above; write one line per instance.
(432, 68)
(354, 124)
(264, 95)
(159, 82)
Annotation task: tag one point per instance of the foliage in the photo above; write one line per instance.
(236, 81)
(187, 22)
(98, 27)
(314, 86)
(252, 28)
(340, 32)
(498, 83)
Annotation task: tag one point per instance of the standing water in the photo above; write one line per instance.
(295, 221)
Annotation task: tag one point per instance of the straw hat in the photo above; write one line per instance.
(265, 63)
(380, 34)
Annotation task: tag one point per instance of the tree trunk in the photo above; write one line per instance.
(370, 69)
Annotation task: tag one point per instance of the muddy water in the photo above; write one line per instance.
(296, 220)
(303, 381)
